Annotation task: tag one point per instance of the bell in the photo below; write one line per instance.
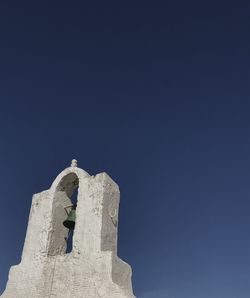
(69, 223)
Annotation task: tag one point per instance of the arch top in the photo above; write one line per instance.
(73, 169)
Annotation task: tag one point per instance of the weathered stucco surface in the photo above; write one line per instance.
(92, 269)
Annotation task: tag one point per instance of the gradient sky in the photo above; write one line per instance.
(156, 95)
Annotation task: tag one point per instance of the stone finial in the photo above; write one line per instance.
(74, 163)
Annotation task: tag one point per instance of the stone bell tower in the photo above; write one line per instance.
(92, 269)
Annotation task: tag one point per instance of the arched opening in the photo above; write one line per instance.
(65, 200)
(71, 231)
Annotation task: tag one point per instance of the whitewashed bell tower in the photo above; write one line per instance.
(92, 269)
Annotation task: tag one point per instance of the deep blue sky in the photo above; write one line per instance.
(158, 96)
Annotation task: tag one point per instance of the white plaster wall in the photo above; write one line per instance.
(93, 268)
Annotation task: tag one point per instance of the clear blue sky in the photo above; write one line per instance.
(158, 96)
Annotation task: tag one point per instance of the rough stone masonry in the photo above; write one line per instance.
(92, 269)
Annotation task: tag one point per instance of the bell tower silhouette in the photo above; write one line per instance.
(92, 268)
